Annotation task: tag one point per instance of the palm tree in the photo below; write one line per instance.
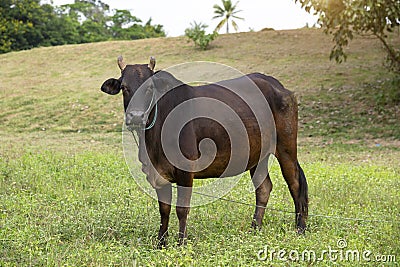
(226, 11)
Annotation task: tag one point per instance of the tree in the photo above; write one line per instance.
(25, 24)
(98, 23)
(227, 11)
(82, 10)
(343, 18)
(122, 20)
(152, 31)
(92, 18)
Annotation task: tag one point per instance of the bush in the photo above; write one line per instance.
(197, 33)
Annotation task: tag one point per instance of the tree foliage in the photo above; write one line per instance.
(343, 18)
(227, 11)
(197, 33)
(25, 24)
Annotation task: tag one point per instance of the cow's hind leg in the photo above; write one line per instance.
(296, 181)
(164, 195)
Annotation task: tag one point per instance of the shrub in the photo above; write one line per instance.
(197, 33)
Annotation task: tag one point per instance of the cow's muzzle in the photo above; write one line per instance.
(135, 119)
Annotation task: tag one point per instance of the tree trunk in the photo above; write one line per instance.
(394, 58)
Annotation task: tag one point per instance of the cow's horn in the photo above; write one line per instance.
(152, 63)
(121, 63)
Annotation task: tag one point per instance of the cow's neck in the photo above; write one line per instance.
(150, 140)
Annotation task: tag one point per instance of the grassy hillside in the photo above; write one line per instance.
(67, 198)
(57, 89)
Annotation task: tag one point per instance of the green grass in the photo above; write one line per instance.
(85, 209)
(67, 197)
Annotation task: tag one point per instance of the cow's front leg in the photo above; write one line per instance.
(164, 195)
(183, 206)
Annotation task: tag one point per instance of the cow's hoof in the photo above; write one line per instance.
(182, 241)
(301, 230)
(162, 244)
(255, 225)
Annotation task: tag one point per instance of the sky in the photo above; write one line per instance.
(176, 15)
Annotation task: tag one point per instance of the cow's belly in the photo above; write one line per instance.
(236, 151)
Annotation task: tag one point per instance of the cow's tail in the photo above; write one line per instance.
(303, 193)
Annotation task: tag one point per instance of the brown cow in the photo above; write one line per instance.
(161, 93)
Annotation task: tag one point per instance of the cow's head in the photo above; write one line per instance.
(130, 83)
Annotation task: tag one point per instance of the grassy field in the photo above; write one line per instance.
(67, 198)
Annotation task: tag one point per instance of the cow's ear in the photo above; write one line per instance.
(111, 86)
